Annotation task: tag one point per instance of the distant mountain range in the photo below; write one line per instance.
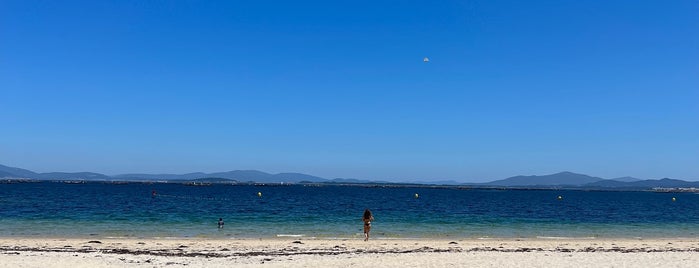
(237, 175)
(563, 178)
(574, 180)
(558, 180)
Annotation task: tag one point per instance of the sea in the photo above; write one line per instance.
(171, 210)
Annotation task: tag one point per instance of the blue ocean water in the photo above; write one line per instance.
(130, 210)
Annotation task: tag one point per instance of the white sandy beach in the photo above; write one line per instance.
(74, 253)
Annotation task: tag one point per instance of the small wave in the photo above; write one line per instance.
(564, 237)
(169, 237)
(290, 235)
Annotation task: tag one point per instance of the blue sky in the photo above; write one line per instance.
(606, 88)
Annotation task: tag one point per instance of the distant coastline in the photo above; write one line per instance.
(203, 183)
(561, 180)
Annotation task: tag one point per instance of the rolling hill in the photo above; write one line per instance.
(561, 179)
(558, 179)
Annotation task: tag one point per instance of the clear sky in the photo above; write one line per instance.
(339, 88)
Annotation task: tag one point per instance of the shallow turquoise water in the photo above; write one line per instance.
(108, 210)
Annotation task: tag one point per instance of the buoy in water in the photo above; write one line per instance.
(417, 196)
(560, 197)
(674, 199)
(259, 194)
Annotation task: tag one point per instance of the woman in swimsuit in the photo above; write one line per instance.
(367, 218)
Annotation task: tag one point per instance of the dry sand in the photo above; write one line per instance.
(74, 253)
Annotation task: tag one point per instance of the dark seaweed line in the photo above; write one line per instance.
(8, 250)
(587, 249)
(119, 251)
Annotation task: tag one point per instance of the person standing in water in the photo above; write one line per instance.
(367, 218)
(220, 222)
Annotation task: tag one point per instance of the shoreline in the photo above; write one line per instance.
(357, 236)
(303, 252)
